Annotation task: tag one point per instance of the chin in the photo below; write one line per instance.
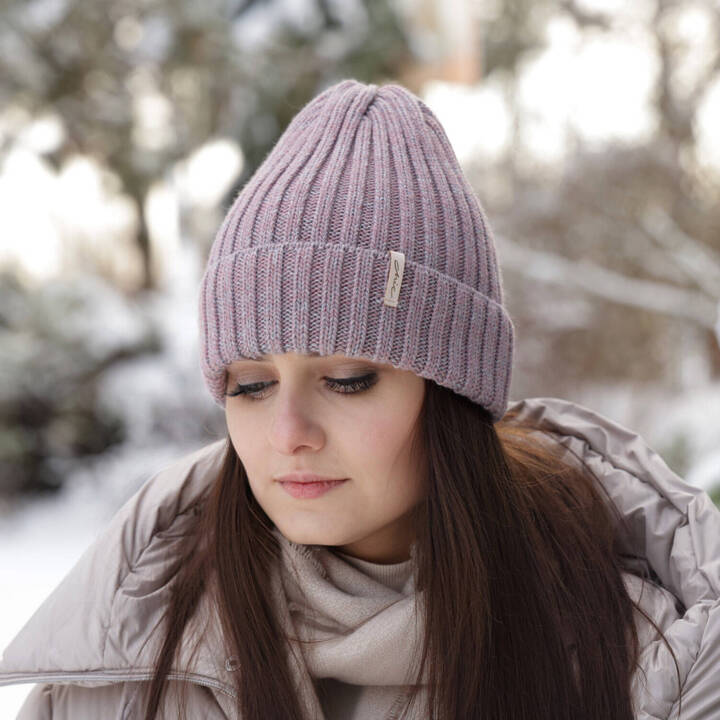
(312, 536)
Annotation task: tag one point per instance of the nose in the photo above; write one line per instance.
(293, 425)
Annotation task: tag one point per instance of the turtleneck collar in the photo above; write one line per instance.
(393, 575)
(356, 623)
(361, 615)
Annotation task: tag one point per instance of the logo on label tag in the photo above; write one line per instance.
(395, 276)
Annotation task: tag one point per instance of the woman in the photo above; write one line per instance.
(469, 559)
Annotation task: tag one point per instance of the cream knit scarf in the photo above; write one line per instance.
(365, 629)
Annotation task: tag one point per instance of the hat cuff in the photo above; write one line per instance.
(329, 298)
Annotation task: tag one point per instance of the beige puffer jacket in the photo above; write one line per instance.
(88, 646)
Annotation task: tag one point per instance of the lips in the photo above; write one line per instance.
(306, 490)
(307, 477)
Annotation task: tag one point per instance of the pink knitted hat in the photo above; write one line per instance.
(359, 235)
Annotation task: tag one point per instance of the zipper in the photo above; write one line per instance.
(50, 677)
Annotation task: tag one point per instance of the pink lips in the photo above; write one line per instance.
(310, 489)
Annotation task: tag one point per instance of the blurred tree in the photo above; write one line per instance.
(633, 224)
(54, 345)
(139, 84)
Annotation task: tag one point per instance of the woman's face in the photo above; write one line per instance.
(302, 416)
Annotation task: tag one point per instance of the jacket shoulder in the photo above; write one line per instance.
(673, 538)
(102, 612)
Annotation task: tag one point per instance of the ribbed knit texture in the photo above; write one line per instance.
(302, 259)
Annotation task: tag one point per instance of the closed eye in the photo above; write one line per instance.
(343, 386)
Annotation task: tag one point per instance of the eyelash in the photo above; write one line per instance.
(351, 386)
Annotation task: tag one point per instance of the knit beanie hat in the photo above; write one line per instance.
(359, 235)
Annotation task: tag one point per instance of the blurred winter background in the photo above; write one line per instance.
(589, 129)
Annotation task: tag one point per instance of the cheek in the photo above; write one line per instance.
(377, 440)
(383, 446)
(390, 423)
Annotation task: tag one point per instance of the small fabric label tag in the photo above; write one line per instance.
(395, 276)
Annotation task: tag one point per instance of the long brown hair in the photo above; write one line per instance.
(518, 559)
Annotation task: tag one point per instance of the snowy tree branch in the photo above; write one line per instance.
(702, 262)
(651, 295)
